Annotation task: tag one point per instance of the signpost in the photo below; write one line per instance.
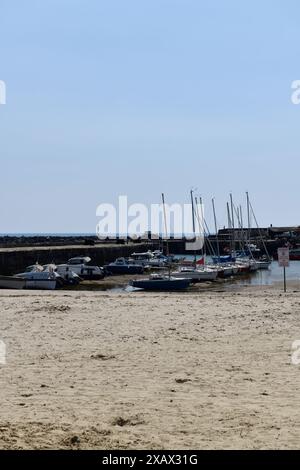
(284, 261)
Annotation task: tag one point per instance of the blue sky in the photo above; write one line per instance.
(138, 97)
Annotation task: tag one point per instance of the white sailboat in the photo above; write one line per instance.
(197, 275)
(197, 272)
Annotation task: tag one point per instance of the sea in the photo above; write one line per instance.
(263, 277)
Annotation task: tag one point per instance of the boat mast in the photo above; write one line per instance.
(206, 232)
(232, 223)
(193, 218)
(248, 217)
(216, 228)
(242, 223)
(209, 244)
(239, 217)
(165, 221)
(228, 217)
(229, 224)
(166, 230)
(200, 224)
(259, 231)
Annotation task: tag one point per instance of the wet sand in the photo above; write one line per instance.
(200, 370)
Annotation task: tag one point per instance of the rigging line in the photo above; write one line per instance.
(259, 231)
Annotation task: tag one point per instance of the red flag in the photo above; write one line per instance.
(200, 261)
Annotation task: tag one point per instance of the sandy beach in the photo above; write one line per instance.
(115, 370)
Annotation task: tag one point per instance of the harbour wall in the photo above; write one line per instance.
(15, 260)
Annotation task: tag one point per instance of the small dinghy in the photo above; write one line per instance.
(161, 283)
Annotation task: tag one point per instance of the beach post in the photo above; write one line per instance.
(284, 262)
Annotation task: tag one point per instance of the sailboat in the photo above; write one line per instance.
(159, 282)
(197, 271)
(265, 261)
(162, 282)
(248, 254)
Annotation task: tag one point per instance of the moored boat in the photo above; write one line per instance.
(153, 259)
(224, 271)
(197, 275)
(67, 277)
(253, 266)
(161, 283)
(124, 266)
(39, 280)
(261, 264)
(79, 265)
(295, 254)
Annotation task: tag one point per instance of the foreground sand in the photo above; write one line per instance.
(118, 370)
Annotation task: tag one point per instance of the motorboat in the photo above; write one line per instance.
(79, 265)
(161, 283)
(11, 282)
(67, 276)
(153, 259)
(263, 264)
(124, 266)
(39, 279)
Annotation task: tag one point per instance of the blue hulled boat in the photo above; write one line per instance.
(161, 283)
(123, 266)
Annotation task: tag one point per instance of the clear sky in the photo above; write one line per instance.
(137, 97)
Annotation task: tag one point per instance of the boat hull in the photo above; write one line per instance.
(225, 272)
(43, 284)
(126, 269)
(196, 276)
(295, 255)
(161, 284)
(263, 264)
(8, 282)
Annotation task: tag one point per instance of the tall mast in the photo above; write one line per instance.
(203, 224)
(241, 218)
(228, 216)
(259, 231)
(242, 224)
(193, 214)
(248, 217)
(193, 218)
(232, 223)
(200, 223)
(165, 220)
(216, 228)
(229, 224)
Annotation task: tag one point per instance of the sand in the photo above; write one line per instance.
(114, 370)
